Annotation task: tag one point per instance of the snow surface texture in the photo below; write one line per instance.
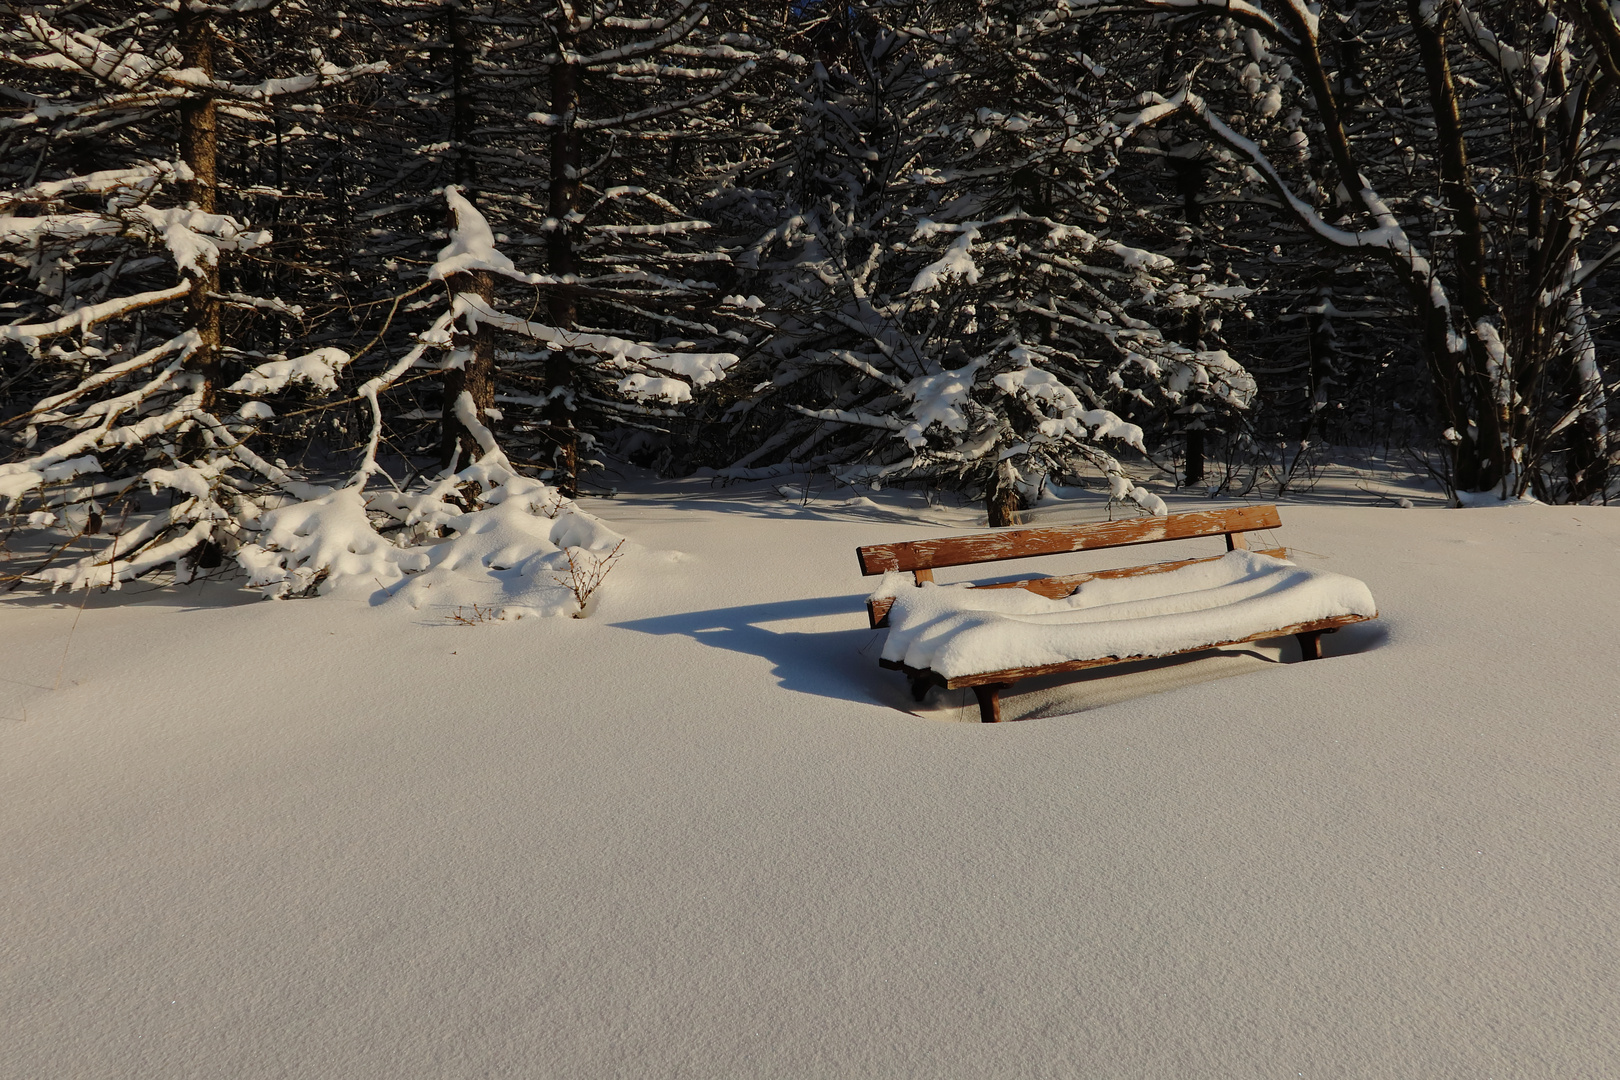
(698, 833)
(957, 631)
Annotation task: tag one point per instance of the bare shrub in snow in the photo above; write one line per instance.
(472, 615)
(586, 572)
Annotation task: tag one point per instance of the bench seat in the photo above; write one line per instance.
(959, 632)
(990, 635)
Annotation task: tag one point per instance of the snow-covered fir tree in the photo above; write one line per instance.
(125, 308)
(1466, 149)
(599, 142)
(962, 300)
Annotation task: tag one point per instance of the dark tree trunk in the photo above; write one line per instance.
(475, 377)
(462, 117)
(565, 162)
(1001, 500)
(1194, 473)
(1480, 464)
(1189, 177)
(1322, 353)
(1458, 380)
(199, 149)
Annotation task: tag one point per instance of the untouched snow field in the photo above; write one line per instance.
(700, 833)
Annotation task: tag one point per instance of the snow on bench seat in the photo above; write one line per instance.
(957, 631)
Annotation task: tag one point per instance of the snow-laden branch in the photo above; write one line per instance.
(700, 368)
(18, 477)
(466, 411)
(82, 319)
(651, 45)
(185, 344)
(318, 369)
(138, 178)
(195, 238)
(104, 570)
(327, 76)
(472, 246)
(621, 191)
(77, 51)
(1240, 10)
(844, 416)
(436, 335)
(887, 378)
(1388, 236)
(956, 264)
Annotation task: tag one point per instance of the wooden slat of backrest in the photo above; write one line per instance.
(1024, 543)
(877, 610)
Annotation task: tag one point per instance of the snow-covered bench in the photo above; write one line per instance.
(989, 636)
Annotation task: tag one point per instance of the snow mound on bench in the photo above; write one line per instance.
(955, 630)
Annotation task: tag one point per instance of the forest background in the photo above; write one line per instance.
(286, 283)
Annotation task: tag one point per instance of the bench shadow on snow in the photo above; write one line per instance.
(827, 663)
(843, 663)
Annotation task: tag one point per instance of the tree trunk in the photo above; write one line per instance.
(565, 161)
(1194, 474)
(462, 117)
(199, 149)
(1481, 463)
(475, 376)
(1001, 497)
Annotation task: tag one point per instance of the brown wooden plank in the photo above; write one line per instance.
(877, 610)
(1024, 543)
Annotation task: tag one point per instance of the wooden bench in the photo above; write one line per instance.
(922, 557)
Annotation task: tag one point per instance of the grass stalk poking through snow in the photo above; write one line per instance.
(479, 615)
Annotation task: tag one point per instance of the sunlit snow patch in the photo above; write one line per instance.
(510, 552)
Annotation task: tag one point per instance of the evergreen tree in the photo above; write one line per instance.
(128, 317)
(962, 299)
(1466, 148)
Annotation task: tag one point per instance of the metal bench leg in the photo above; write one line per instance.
(989, 695)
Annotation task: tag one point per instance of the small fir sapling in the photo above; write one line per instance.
(599, 143)
(478, 521)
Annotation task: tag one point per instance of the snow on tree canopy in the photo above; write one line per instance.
(472, 244)
(142, 293)
(960, 296)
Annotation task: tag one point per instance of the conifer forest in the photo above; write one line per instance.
(276, 275)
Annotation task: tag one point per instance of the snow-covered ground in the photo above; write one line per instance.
(701, 833)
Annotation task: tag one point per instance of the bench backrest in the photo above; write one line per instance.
(922, 557)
